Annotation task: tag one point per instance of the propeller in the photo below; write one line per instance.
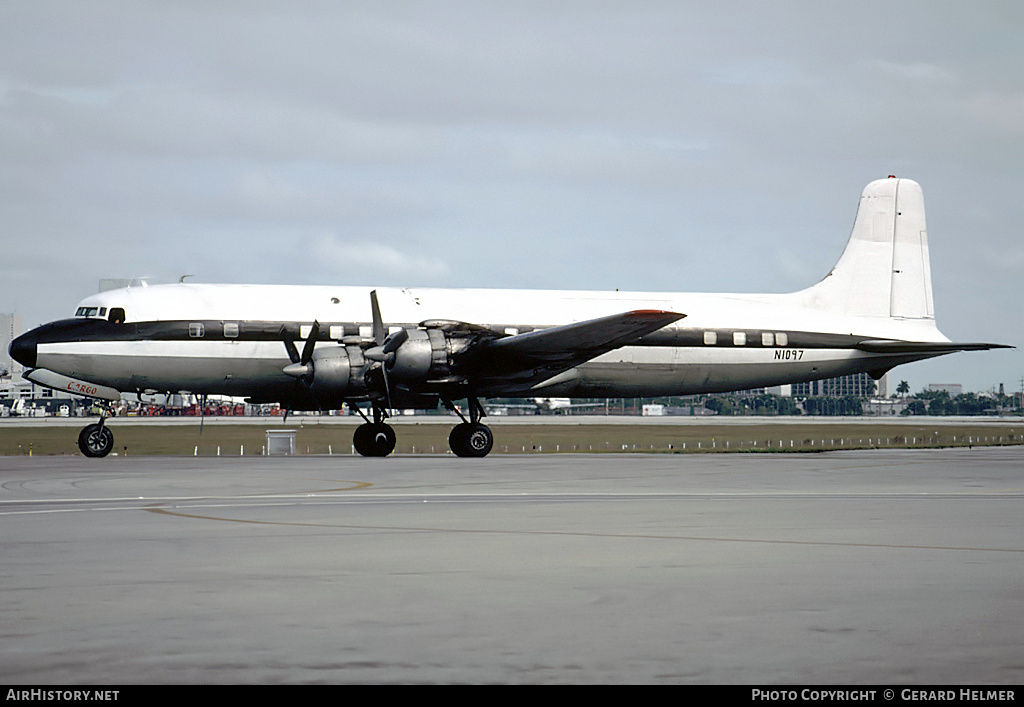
(382, 351)
(301, 367)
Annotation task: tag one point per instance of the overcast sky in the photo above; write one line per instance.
(673, 146)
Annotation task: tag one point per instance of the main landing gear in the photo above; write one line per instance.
(470, 438)
(96, 440)
(374, 439)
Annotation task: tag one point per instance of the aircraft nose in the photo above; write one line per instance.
(23, 350)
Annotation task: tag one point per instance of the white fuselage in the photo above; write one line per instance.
(732, 341)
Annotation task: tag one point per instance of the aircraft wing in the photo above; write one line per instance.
(545, 352)
(583, 340)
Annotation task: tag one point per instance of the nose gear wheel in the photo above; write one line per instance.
(96, 440)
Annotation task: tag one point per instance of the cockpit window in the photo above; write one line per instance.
(116, 314)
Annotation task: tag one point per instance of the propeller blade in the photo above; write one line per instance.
(289, 345)
(380, 352)
(288, 407)
(379, 332)
(307, 350)
(395, 340)
(387, 385)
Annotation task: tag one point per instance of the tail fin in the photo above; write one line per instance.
(884, 271)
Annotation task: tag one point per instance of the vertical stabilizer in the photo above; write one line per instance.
(884, 271)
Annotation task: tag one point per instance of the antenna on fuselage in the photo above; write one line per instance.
(182, 278)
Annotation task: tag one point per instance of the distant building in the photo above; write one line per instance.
(954, 389)
(113, 283)
(10, 328)
(783, 391)
(859, 385)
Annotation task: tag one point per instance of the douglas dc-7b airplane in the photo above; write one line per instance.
(323, 347)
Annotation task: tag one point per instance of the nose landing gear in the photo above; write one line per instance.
(96, 440)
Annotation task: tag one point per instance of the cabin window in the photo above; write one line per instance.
(710, 338)
(336, 332)
(739, 338)
(116, 315)
(767, 338)
(196, 330)
(231, 330)
(781, 338)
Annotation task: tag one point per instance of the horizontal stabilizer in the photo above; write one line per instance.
(894, 346)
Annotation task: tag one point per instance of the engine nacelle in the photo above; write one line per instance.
(421, 355)
(337, 374)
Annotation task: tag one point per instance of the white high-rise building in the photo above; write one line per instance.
(859, 385)
(10, 328)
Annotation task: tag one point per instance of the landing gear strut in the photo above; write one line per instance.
(374, 439)
(470, 438)
(96, 440)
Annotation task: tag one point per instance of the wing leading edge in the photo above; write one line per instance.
(581, 341)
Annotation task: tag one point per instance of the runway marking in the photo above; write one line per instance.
(355, 486)
(81, 505)
(561, 533)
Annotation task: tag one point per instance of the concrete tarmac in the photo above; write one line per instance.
(863, 567)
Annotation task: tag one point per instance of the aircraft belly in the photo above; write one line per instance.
(652, 372)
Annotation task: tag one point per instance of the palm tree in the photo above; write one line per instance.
(903, 388)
